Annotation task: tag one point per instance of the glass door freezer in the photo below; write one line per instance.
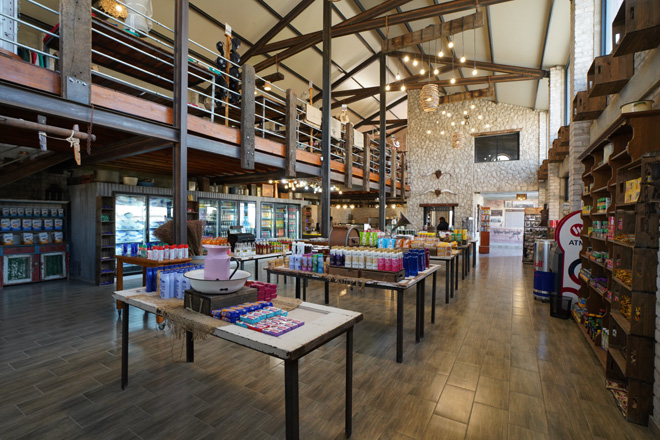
(293, 222)
(267, 220)
(228, 217)
(248, 212)
(208, 212)
(280, 220)
(160, 211)
(131, 224)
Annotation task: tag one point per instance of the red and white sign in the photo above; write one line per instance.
(568, 238)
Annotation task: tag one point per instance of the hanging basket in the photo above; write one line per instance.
(457, 140)
(430, 97)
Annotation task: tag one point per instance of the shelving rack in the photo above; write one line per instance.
(626, 261)
(105, 240)
(532, 232)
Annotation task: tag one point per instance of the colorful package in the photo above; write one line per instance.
(13, 212)
(58, 237)
(16, 224)
(43, 237)
(27, 224)
(5, 212)
(27, 238)
(37, 224)
(48, 224)
(60, 212)
(8, 239)
(53, 212)
(28, 212)
(20, 212)
(5, 224)
(58, 224)
(44, 212)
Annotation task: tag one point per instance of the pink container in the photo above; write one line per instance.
(217, 262)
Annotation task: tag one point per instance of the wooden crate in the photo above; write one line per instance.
(647, 220)
(344, 271)
(640, 401)
(202, 303)
(644, 269)
(608, 75)
(637, 27)
(381, 275)
(585, 108)
(564, 134)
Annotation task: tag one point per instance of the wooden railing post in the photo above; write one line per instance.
(247, 117)
(291, 140)
(76, 50)
(348, 155)
(366, 161)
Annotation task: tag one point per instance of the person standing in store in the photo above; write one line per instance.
(443, 225)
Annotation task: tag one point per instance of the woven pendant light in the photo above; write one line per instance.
(457, 140)
(430, 97)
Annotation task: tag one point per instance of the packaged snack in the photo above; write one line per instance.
(53, 212)
(28, 212)
(58, 237)
(13, 212)
(36, 224)
(27, 238)
(60, 212)
(20, 212)
(5, 211)
(16, 224)
(44, 212)
(27, 224)
(43, 237)
(48, 224)
(58, 224)
(8, 239)
(5, 224)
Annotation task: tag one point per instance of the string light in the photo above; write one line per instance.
(451, 44)
(428, 131)
(403, 88)
(398, 77)
(406, 58)
(474, 72)
(442, 132)
(465, 112)
(487, 125)
(452, 80)
(480, 117)
(472, 130)
(472, 106)
(453, 123)
(415, 62)
(436, 71)
(441, 54)
(462, 59)
(387, 87)
(449, 115)
(443, 112)
(422, 72)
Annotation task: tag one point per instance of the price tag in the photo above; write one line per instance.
(227, 30)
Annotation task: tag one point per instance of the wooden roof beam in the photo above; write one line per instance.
(505, 68)
(363, 65)
(491, 79)
(297, 44)
(390, 106)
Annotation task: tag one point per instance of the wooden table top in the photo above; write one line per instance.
(322, 323)
(145, 262)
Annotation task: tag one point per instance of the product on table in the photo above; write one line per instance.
(259, 316)
(5, 224)
(169, 281)
(27, 224)
(27, 238)
(15, 224)
(58, 237)
(43, 237)
(8, 239)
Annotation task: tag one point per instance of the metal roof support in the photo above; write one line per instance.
(180, 150)
(325, 129)
(382, 140)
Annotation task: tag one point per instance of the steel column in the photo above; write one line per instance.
(382, 201)
(180, 150)
(325, 129)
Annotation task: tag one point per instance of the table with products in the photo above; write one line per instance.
(322, 324)
(144, 263)
(256, 258)
(451, 277)
(400, 287)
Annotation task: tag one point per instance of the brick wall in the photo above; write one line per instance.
(553, 192)
(557, 101)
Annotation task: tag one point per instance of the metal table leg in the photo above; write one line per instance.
(242, 265)
(256, 270)
(124, 347)
(349, 382)
(433, 298)
(447, 277)
(268, 277)
(399, 325)
(474, 254)
(297, 282)
(327, 292)
(190, 347)
(463, 264)
(451, 276)
(422, 307)
(456, 273)
(418, 301)
(304, 289)
(291, 401)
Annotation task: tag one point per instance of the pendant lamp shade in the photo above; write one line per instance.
(139, 12)
(430, 97)
(457, 140)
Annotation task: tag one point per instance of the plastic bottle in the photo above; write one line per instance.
(185, 251)
(164, 285)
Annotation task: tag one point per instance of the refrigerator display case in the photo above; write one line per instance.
(131, 221)
(228, 217)
(248, 212)
(281, 217)
(160, 211)
(208, 211)
(293, 222)
(267, 223)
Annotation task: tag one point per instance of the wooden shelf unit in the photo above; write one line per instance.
(105, 240)
(586, 108)
(629, 316)
(193, 210)
(636, 27)
(608, 74)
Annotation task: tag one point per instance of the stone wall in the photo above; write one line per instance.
(543, 136)
(429, 149)
(557, 101)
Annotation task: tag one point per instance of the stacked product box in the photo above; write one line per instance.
(259, 316)
(632, 190)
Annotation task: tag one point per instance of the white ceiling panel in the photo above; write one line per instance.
(543, 95)
(559, 35)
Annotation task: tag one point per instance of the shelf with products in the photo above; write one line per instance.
(105, 241)
(626, 228)
(532, 232)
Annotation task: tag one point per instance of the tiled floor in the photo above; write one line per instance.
(494, 366)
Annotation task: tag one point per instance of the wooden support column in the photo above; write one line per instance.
(180, 150)
(366, 163)
(247, 117)
(382, 174)
(325, 127)
(393, 172)
(291, 139)
(76, 50)
(348, 156)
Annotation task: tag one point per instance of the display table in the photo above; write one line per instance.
(400, 288)
(451, 277)
(144, 263)
(256, 259)
(322, 324)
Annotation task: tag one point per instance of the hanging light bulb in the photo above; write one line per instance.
(452, 80)
(465, 112)
(436, 71)
(480, 117)
(267, 87)
(462, 59)
(449, 115)
(474, 72)
(487, 125)
(472, 106)
(387, 87)
(422, 72)
(403, 88)
(451, 44)
(428, 131)
(341, 192)
(441, 54)
(472, 130)
(462, 122)
(443, 112)
(442, 132)
(406, 58)
(453, 123)
(398, 77)
(415, 62)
